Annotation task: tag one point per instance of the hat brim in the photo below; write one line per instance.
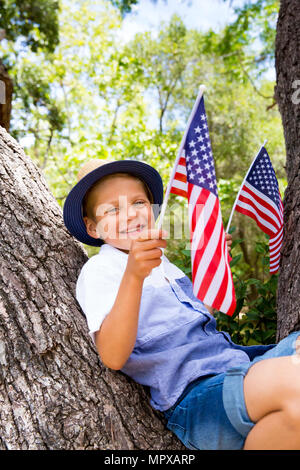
(72, 211)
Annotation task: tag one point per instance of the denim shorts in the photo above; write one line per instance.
(211, 414)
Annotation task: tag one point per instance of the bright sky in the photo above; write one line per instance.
(196, 14)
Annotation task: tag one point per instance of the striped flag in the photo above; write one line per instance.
(259, 198)
(195, 179)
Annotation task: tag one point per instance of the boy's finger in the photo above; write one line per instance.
(152, 234)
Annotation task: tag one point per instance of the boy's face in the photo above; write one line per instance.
(122, 210)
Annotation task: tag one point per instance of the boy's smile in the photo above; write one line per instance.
(122, 211)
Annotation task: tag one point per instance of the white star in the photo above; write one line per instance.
(197, 130)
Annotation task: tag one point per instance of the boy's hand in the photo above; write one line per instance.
(145, 253)
(228, 239)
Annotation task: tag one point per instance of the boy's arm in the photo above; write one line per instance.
(116, 338)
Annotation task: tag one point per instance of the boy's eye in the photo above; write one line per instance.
(112, 210)
(140, 202)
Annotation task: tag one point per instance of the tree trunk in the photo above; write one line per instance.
(288, 98)
(54, 391)
(6, 90)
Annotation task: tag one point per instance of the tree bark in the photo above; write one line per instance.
(54, 391)
(287, 95)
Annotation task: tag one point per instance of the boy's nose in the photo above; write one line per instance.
(131, 211)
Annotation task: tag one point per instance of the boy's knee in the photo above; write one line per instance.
(292, 415)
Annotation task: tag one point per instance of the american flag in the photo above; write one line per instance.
(260, 199)
(195, 179)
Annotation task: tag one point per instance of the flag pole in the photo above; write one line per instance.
(179, 154)
(236, 199)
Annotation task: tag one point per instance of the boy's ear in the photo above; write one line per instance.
(90, 227)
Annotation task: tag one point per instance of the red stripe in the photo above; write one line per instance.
(275, 250)
(274, 244)
(208, 230)
(264, 203)
(179, 192)
(180, 177)
(218, 300)
(215, 256)
(211, 270)
(232, 307)
(262, 214)
(250, 214)
(275, 259)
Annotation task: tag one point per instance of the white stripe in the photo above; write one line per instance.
(210, 246)
(200, 224)
(275, 253)
(217, 279)
(262, 196)
(273, 246)
(251, 209)
(181, 169)
(274, 268)
(179, 185)
(228, 297)
(275, 260)
(204, 216)
(261, 207)
(279, 235)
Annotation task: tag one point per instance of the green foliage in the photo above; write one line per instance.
(34, 21)
(254, 320)
(255, 20)
(95, 95)
(125, 6)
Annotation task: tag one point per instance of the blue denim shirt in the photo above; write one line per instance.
(177, 340)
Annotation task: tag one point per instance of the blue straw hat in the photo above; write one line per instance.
(92, 172)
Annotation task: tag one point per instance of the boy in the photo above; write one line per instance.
(146, 321)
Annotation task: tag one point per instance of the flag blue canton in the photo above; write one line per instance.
(262, 177)
(200, 166)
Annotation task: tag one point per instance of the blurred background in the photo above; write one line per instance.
(117, 79)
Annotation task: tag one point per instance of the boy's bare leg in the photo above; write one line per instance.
(272, 397)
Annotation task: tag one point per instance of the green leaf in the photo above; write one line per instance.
(235, 260)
